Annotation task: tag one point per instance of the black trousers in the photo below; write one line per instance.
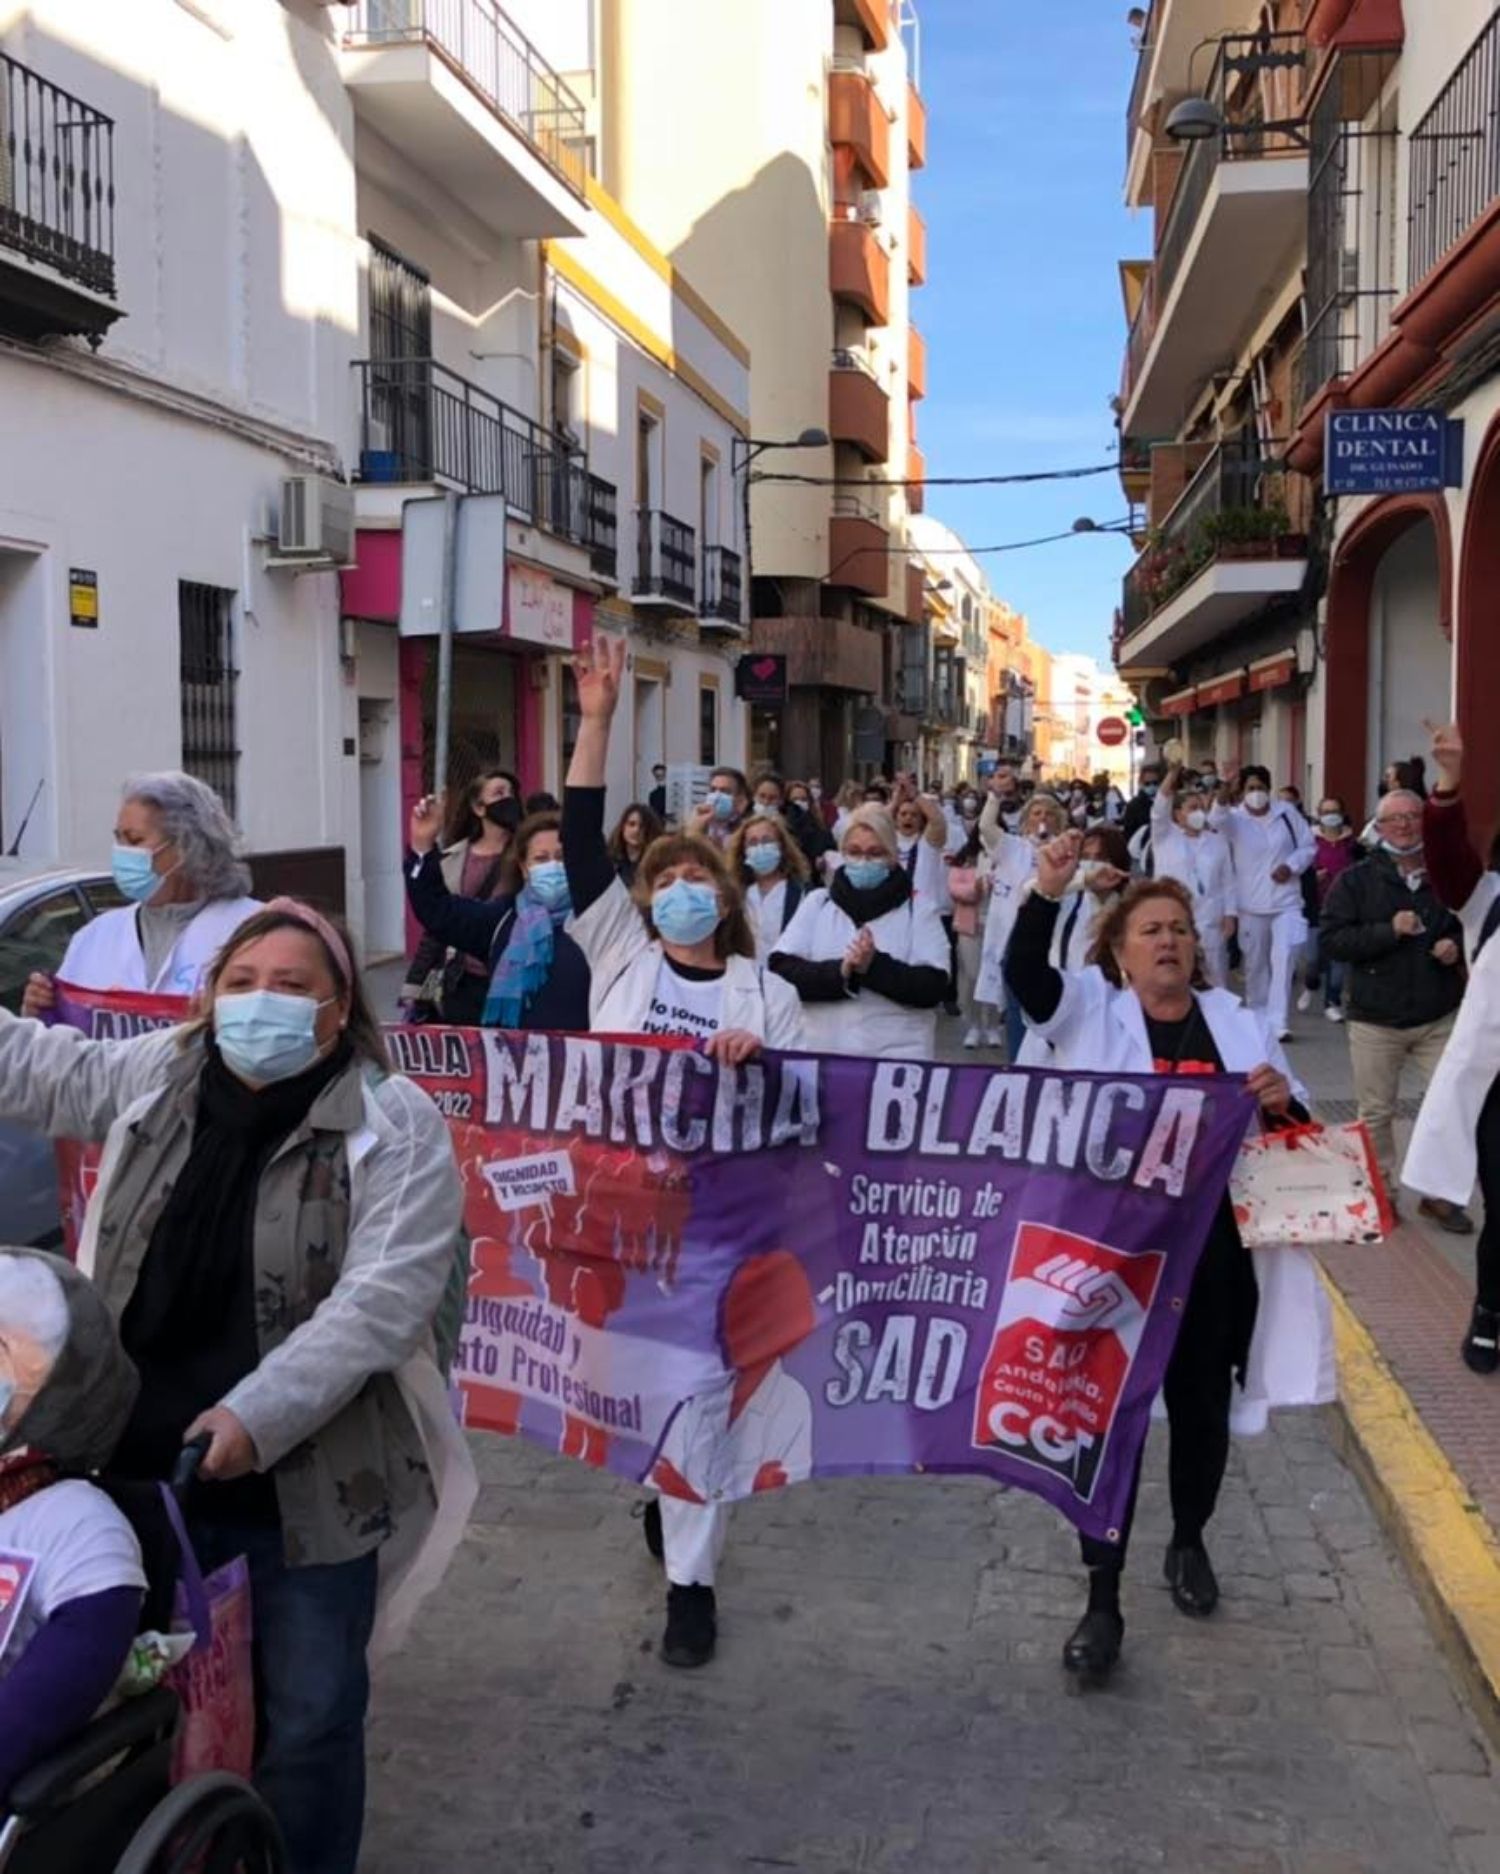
(1487, 1251)
(1211, 1349)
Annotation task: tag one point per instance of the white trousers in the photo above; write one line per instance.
(692, 1536)
(1215, 950)
(1270, 942)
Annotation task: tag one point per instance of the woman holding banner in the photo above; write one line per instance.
(1141, 1008)
(672, 956)
(174, 859)
(275, 1229)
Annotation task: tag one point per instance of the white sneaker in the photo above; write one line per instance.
(1333, 1014)
(971, 1039)
(1304, 1002)
(994, 1037)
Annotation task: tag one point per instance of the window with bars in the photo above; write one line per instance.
(708, 725)
(401, 351)
(205, 621)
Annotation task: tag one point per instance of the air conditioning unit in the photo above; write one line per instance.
(871, 209)
(314, 523)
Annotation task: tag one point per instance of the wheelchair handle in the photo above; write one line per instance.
(189, 1461)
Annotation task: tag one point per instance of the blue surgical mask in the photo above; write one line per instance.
(685, 912)
(866, 874)
(134, 871)
(763, 858)
(7, 1393)
(1401, 852)
(720, 803)
(548, 879)
(264, 1035)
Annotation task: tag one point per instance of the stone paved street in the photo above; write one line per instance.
(888, 1694)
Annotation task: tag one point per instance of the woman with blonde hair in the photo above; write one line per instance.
(672, 956)
(772, 869)
(868, 955)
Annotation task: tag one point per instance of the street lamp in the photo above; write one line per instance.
(1195, 119)
(742, 452)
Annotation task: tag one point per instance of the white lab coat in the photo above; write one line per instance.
(625, 961)
(1098, 1028)
(1204, 864)
(107, 954)
(1259, 843)
(1442, 1159)
(868, 1023)
(1012, 867)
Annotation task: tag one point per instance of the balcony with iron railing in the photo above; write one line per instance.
(1231, 234)
(422, 423)
(1455, 158)
(859, 407)
(723, 600)
(57, 210)
(1351, 238)
(666, 562)
(460, 91)
(1225, 550)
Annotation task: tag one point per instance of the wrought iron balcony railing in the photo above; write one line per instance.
(723, 585)
(1455, 157)
(57, 178)
(666, 557)
(496, 59)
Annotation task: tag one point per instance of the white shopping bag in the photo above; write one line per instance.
(1310, 1185)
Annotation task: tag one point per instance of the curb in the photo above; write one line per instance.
(1438, 1528)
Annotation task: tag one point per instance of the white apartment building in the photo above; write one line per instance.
(954, 639)
(363, 244)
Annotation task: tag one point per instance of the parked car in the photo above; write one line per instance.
(39, 912)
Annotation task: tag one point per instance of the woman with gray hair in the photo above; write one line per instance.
(868, 956)
(174, 859)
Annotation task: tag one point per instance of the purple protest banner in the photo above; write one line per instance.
(724, 1280)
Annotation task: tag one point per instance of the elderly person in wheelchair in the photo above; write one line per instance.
(79, 1792)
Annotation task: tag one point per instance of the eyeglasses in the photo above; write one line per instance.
(1399, 819)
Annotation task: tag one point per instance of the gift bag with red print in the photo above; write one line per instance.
(214, 1682)
(1310, 1185)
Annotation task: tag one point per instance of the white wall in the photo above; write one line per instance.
(1410, 659)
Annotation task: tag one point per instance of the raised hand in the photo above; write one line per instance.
(426, 824)
(1056, 862)
(38, 996)
(1447, 751)
(599, 671)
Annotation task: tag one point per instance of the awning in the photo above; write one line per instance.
(1180, 703)
(1269, 673)
(1222, 689)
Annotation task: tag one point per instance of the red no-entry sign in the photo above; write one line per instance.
(1112, 731)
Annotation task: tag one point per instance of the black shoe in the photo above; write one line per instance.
(651, 1526)
(1450, 1217)
(1481, 1345)
(692, 1626)
(1093, 1647)
(1190, 1576)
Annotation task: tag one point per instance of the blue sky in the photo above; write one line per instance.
(1026, 226)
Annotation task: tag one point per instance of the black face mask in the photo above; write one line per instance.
(504, 813)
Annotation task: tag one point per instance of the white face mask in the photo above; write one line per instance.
(1257, 799)
(1197, 819)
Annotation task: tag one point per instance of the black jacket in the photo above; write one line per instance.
(1137, 813)
(1394, 981)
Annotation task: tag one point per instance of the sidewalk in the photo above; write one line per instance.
(1418, 1426)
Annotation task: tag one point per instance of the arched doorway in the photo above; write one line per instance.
(1388, 642)
(1479, 638)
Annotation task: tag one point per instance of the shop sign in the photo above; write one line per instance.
(83, 598)
(541, 611)
(1392, 452)
(760, 678)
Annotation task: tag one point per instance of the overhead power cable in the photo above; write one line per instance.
(935, 481)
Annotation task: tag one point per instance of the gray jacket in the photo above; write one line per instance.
(355, 1236)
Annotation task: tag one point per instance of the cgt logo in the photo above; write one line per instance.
(1069, 1323)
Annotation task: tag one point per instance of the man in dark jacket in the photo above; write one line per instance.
(1406, 979)
(1138, 809)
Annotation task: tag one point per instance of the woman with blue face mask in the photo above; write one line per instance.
(869, 956)
(772, 868)
(174, 864)
(274, 1229)
(537, 975)
(673, 956)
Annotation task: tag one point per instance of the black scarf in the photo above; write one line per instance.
(200, 1245)
(864, 906)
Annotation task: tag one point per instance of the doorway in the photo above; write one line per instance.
(1411, 678)
(382, 891)
(28, 801)
(650, 732)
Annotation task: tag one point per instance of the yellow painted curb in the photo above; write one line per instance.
(1424, 1504)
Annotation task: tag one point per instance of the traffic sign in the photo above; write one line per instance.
(1112, 731)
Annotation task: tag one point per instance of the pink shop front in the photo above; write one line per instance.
(502, 689)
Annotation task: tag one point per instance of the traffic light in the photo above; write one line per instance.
(1134, 717)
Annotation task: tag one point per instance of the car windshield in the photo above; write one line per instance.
(34, 937)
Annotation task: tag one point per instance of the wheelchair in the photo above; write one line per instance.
(104, 1803)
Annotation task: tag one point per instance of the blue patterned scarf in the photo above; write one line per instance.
(526, 961)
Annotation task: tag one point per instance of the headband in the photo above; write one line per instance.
(320, 926)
